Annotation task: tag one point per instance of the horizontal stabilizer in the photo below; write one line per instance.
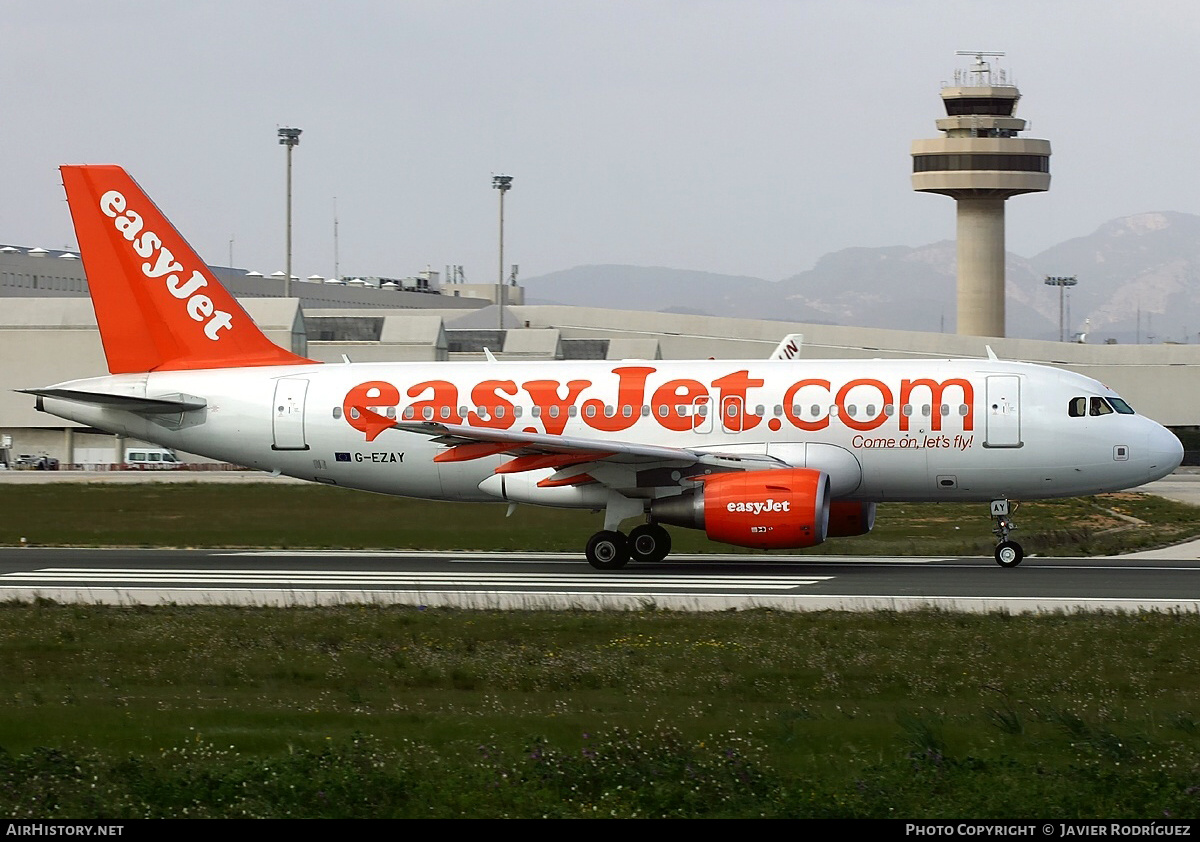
(130, 403)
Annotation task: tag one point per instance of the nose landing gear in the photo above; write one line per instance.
(1008, 553)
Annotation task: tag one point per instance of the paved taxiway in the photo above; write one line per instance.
(1160, 580)
(517, 580)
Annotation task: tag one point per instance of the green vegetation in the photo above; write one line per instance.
(120, 712)
(109, 712)
(284, 515)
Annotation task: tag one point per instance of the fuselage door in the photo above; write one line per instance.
(702, 415)
(733, 414)
(1003, 411)
(287, 424)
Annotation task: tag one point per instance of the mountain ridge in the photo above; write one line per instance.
(1139, 279)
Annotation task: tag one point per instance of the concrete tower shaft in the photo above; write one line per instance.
(980, 162)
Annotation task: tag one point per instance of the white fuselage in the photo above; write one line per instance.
(882, 429)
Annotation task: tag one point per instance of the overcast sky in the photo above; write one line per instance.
(734, 136)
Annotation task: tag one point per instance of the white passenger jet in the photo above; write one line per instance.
(779, 453)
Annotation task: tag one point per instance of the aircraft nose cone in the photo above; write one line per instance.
(1165, 451)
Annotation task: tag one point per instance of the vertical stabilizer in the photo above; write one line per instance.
(158, 305)
(788, 348)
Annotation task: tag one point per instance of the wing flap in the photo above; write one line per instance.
(522, 444)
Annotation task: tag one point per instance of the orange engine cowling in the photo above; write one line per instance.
(850, 517)
(776, 509)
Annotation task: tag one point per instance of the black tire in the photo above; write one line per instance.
(1009, 554)
(607, 550)
(650, 543)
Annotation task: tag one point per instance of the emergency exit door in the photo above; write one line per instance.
(288, 419)
(1003, 411)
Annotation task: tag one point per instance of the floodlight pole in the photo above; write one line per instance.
(1062, 283)
(291, 139)
(503, 183)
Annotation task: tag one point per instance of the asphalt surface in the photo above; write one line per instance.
(1159, 580)
(533, 580)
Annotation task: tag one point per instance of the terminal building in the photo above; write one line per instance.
(46, 340)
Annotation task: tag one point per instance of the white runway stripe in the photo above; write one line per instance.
(308, 578)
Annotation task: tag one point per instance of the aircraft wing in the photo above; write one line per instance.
(466, 443)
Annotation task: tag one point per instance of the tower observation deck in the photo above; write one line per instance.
(980, 162)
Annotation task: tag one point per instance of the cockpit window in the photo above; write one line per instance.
(1077, 408)
(1100, 407)
(1121, 407)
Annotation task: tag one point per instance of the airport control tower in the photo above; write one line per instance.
(980, 162)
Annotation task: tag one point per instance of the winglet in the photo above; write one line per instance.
(991, 353)
(158, 305)
(788, 348)
(487, 353)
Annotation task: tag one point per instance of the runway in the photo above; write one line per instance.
(1146, 582)
(1160, 580)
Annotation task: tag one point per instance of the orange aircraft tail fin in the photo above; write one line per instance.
(158, 305)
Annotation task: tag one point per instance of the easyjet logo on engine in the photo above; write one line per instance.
(756, 507)
(162, 265)
(631, 395)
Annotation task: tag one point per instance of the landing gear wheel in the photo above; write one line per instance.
(1009, 553)
(649, 542)
(607, 550)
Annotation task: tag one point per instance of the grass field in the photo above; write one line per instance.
(114, 713)
(119, 713)
(265, 515)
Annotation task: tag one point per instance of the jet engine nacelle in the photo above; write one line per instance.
(850, 517)
(770, 510)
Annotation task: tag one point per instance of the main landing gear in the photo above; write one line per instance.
(611, 550)
(1008, 553)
